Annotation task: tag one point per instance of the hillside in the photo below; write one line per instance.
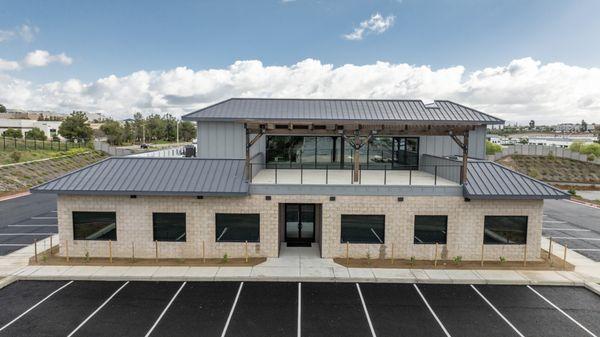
(21, 176)
(553, 169)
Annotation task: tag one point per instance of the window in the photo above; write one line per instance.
(237, 227)
(363, 228)
(430, 229)
(505, 230)
(95, 226)
(168, 226)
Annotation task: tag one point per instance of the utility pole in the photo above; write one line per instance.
(177, 132)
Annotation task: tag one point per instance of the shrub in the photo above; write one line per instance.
(413, 260)
(15, 156)
(551, 155)
(12, 133)
(491, 148)
(502, 259)
(572, 191)
(591, 157)
(225, 258)
(533, 172)
(457, 259)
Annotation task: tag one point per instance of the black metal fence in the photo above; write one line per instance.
(9, 144)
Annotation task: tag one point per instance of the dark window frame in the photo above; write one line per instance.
(445, 234)
(218, 233)
(490, 217)
(368, 242)
(77, 235)
(154, 225)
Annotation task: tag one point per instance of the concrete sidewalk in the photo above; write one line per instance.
(298, 264)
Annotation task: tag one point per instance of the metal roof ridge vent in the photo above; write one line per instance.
(430, 104)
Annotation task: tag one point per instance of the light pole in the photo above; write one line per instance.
(177, 132)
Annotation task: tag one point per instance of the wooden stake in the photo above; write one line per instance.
(550, 250)
(482, 249)
(347, 253)
(110, 251)
(67, 249)
(246, 250)
(436, 255)
(565, 258)
(203, 256)
(35, 250)
(156, 250)
(50, 245)
(392, 253)
(132, 251)
(525, 257)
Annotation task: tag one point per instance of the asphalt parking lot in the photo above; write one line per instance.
(25, 219)
(97, 308)
(576, 225)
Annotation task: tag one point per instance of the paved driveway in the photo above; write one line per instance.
(96, 308)
(25, 219)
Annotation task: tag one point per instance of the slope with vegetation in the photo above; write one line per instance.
(21, 176)
(553, 169)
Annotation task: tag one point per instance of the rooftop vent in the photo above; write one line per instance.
(429, 103)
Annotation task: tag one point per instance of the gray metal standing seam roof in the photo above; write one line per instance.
(153, 176)
(359, 110)
(489, 180)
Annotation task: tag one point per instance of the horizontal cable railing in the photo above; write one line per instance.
(382, 174)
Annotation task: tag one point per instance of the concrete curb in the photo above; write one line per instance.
(593, 287)
(7, 281)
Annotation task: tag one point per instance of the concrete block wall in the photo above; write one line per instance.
(465, 225)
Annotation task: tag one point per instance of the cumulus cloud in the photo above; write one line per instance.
(521, 90)
(26, 32)
(6, 65)
(377, 24)
(41, 58)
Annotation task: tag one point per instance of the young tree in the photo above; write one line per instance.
(187, 131)
(128, 134)
(36, 133)
(2, 108)
(114, 132)
(138, 126)
(76, 126)
(12, 133)
(155, 127)
(170, 125)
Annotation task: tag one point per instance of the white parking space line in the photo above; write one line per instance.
(497, 311)
(52, 211)
(98, 309)
(299, 308)
(18, 234)
(237, 296)
(561, 311)
(574, 238)
(165, 309)
(566, 229)
(35, 306)
(554, 221)
(585, 249)
(362, 300)
(51, 225)
(42, 217)
(431, 311)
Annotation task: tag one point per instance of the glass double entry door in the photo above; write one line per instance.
(299, 224)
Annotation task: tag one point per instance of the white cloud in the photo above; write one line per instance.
(6, 65)
(522, 90)
(377, 24)
(25, 32)
(41, 58)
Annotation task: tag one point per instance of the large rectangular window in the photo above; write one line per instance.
(430, 229)
(363, 228)
(504, 230)
(95, 226)
(168, 226)
(237, 227)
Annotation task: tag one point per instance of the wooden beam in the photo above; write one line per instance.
(465, 158)
(387, 131)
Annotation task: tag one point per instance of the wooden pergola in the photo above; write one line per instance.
(359, 134)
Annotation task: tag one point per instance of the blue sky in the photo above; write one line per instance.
(102, 38)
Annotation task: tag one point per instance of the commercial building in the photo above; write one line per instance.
(373, 176)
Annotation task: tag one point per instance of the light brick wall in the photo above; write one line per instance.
(465, 225)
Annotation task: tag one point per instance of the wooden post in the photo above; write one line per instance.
(347, 253)
(156, 250)
(67, 249)
(565, 257)
(203, 256)
(436, 255)
(246, 250)
(35, 250)
(392, 253)
(525, 257)
(50, 245)
(482, 250)
(355, 175)
(132, 252)
(550, 250)
(110, 251)
(465, 156)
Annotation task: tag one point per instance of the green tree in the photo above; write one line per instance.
(35, 133)
(491, 148)
(12, 133)
(155, 127)
(76, 126)
(138, 126)
(114, 131)
(170, 125)
(187, 131)
(2, 108)
(128, 134)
